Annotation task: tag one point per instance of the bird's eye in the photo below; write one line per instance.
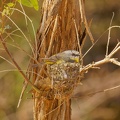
(73, 54)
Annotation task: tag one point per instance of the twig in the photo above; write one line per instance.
(107, 59)
(17, 66)
(11, 33)
(114, 61)
(21, 32)
(81, 10)
(96, 92)
(15, 70)
(22, 93)
(77, 35)
(86, 23)
(114, 50)
(109, 32)
(89, 49)
(27, 17)
(7, 61)
(18, 47)
(112, 88)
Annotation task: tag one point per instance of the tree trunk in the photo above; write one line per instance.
(60, 29)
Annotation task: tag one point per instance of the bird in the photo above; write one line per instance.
(71, 56)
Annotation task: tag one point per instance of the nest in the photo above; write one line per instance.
(64, 71)
(61, 80)
(64, 77)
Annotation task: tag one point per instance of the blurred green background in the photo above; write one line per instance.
(101, 106)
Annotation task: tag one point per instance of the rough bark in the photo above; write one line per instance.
(60, 29)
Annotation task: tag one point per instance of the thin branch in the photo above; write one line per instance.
(11, 33)
(77, 35)
(17, 66)
(86, 23)
(114, 26)
(89, 49)
(109, 32)
(21, 32)
(105, 60)
(81, 10)
(18, 47)
(7, 61)
(96, 92)
(16, 70)
(27, 17)
(114, 50)
(112, 88)
(94, 43)
(114, 61)
(115, 47)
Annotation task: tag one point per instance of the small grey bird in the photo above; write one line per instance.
(71, 56)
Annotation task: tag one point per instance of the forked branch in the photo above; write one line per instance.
(107, 59)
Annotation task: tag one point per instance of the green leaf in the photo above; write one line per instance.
(6, 11)
(25, 3)
(35, 4)
(30, 3)
(10, 4)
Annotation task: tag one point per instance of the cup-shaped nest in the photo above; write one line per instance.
(64, 77)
